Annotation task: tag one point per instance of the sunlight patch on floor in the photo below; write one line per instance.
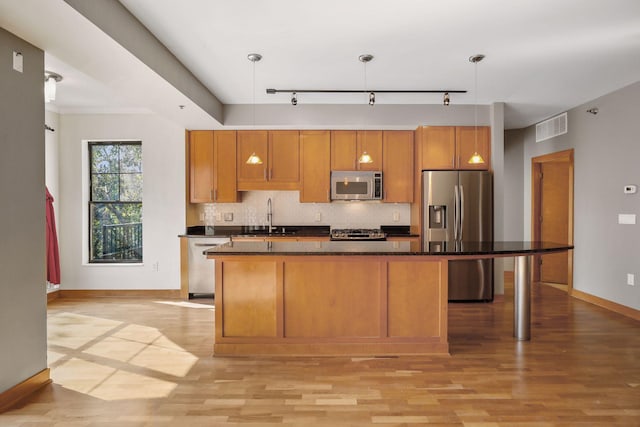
(112, 360)
(187, 304)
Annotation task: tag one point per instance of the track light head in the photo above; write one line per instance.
(294, 99)
(372, 98)
(446, 101)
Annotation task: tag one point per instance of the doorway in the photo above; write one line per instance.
(552, 216)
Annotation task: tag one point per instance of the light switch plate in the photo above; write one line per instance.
(627, 219)
(630, 189)
(17, 61)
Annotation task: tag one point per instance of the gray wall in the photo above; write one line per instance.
(22, 214)
(513, 185)
(607, 156)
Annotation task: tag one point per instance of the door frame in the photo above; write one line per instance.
(565, 156)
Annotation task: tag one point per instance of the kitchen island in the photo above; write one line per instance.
(355, 298)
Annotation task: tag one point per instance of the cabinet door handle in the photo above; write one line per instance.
(265, 173)
(215, 195)
(211, 196)
(270, 174)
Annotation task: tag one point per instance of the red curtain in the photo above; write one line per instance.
(53, 258)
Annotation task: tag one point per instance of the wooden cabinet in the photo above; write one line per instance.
(397, 166)
(201, 166)
(343, 150)
(467, 144)
(330, 305)
(370, 142)
(252, 142)
(212, 168)
(348, 145)
(315, 166)
(449, 147)
(437, 147)
(280, 167)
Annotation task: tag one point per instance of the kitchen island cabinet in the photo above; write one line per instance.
(329, 304)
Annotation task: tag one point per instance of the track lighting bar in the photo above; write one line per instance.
(274, 91)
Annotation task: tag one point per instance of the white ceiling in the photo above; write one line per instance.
(542, 56)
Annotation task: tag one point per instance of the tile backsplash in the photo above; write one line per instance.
(287, 210)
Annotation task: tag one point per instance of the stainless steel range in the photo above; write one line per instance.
(357, 234)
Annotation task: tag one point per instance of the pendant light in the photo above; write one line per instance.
(254, 159)
(365, 58)
(476, 158)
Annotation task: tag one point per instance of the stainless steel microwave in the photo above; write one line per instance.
(356, 185)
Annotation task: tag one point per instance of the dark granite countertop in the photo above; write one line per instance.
(284, 231)
(387, 248)
(246, 230)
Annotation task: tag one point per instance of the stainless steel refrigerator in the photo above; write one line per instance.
(458, 208)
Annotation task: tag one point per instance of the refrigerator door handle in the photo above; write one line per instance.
(461, 210)
(456, 212)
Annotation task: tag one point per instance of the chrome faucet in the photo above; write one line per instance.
(269, 215)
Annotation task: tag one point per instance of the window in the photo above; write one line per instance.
(115, 202)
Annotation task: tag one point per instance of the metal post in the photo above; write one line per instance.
(522, 298)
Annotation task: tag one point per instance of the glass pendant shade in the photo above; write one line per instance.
(365, 158)
(476, 159)
(50, 90)
(254, 159)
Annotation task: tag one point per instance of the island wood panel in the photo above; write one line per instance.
(324, 305)
(416, 281)
(249, 299)
(337, 299)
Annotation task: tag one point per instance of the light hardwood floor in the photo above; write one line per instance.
(134, 362)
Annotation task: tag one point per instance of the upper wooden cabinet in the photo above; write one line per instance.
(348, 145)
(467, 144)
(315, 166)
(224, 178)
(397, 166)
(280, 154)
(343, 150)
(212, 170)
(450, 147)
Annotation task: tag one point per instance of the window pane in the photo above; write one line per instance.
(105, 187)
(116, 232)
(130, 158)
(131, 187)
(104, 158)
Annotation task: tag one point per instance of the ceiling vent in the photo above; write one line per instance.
(554, 126)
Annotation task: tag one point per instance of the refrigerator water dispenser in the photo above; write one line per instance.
(437, 216)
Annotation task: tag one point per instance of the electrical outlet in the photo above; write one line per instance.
(228, 216)
(201, 216)
(156, 266)
(631, 279)
(396, 216)
(218, 216)
(318, 216)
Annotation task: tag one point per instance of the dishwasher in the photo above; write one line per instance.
(202, 278)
